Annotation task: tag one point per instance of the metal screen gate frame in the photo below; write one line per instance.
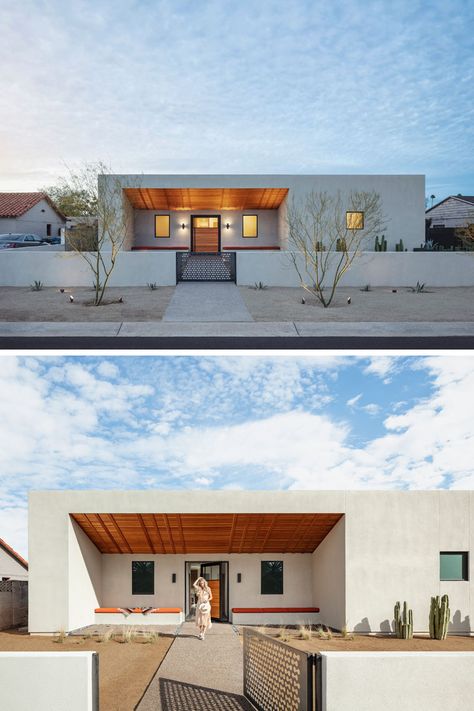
(204, 266)
(278, 677)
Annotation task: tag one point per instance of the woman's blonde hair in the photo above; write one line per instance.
(197, 586)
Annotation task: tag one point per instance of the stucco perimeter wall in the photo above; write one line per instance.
(21, 267)
(397, 681)
(393, 542)
(49, 681)
(392, 269)
(329, 577)
(297, 583)
(144, 221)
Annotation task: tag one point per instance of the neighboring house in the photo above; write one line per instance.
(336, 557)
(12, 565)
(453, 211)
(218, 213)
(13, 588)
(33, 213)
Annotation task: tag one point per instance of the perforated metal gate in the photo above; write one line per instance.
(203, 266)
(276, 676)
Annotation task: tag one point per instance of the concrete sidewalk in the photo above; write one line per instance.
(253, 329)
(199, 675)
(206, 301)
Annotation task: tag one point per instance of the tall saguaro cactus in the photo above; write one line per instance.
(439, 617)
(403, 622)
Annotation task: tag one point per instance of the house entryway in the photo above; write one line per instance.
(205, 261)
(217, 575)
(206, 302)
(205, 233)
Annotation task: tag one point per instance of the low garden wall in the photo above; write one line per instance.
(397, 681)
(49, 681)
(21, 267)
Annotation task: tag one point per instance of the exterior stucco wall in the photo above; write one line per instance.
(34, 221)
(297, 583)
(232, 237)
(329, 576)
(11, 568)
(402, 196)
(85, 577)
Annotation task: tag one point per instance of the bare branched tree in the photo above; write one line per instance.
(326, 234)
(98, 186)
(466, 236)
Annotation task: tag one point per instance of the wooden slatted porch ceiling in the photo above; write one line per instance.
(206, 533)
(206, 198)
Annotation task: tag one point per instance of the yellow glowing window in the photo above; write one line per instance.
(162, 225)
(249, 225)
(355, 220)
(206, 222)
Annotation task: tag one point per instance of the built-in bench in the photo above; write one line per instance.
(155, 616)
(275, 615)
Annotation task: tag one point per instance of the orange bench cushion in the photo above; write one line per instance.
(156, 610)
(274, 609)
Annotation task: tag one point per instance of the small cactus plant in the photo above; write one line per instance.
(403, 622)
(37, 286)
(341, 245)
(399, 246)
(380, 246)
(439, 617)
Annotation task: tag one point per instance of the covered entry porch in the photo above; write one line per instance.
(260, 567)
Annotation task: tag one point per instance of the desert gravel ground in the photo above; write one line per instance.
(380, 304)
(125, 670)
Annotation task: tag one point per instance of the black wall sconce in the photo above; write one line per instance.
(227, 225)
(173, 577)
(183, 226)
(239, 577)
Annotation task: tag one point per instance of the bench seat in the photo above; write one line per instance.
(155, 616)
(275, 615)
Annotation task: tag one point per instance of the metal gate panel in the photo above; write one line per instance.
(203, 266)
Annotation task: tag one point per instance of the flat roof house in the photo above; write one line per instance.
(33, 213)
(339, 557)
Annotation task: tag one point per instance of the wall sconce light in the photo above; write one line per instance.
(183, 226)
(173, 577)
(227, 225)
(239, 577)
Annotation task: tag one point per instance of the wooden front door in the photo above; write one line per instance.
(212, 573)
(205, 233)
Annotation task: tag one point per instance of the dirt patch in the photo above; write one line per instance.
(125, 670)
(49, 304)
(379, 304)
(377, 643)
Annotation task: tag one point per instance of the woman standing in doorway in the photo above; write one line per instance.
(203, 606)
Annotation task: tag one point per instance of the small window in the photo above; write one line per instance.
(249, 225)
(48, 230)
(453, 566)
(162, 225)
(143, 577)
(272, 577)
(355, 220)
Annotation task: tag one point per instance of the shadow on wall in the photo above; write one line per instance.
(460, 625)
(178, 696)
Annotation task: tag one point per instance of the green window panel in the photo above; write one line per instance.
(272, 577)
(453, 566)
(143, 577)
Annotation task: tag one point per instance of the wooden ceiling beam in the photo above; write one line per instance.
(107, 532)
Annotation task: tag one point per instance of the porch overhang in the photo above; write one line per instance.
(206, 198)
(217, 533)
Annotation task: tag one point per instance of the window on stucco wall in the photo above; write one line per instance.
(272, 577)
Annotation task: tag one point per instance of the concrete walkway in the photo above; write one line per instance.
(199, 676)
(246, 329)
(206, 301)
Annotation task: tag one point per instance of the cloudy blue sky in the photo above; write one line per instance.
(348, 86)
(227, 422)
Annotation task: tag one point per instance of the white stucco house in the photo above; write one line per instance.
(336, 557)
(27, 213)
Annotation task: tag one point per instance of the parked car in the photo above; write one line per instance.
(52, 240)
(14, 240)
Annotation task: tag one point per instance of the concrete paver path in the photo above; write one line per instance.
(206, 301)
(199, 675)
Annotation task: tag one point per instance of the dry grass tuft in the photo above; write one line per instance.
(283, 634)
(60, 638)
(305, 632)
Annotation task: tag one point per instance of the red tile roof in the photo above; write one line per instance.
(16, 204)
(14, 554)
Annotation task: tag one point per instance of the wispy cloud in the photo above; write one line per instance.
(243, 87)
